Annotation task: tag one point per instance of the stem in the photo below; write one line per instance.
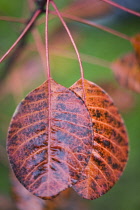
(29, 25)
(91, 23)
(73, 43)
(122, 8)
(49, 89)
(47, 42)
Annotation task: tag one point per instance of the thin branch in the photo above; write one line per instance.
(122, 7)
(29, 25)
(73, 43)
(49, 83)
(47, 42)
(91, 23)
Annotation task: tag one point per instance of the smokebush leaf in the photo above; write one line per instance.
(48, 146)
(110, 148)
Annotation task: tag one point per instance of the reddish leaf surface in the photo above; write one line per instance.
(110, 149)
(127, 71)
(47, 161)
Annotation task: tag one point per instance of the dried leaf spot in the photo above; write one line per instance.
(110, 148)
(50, 139)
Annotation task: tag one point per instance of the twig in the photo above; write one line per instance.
(91, 23)
(20, 46)
(48, 85)
(122, 7)
(29, 25)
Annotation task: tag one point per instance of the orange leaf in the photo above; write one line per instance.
(48, 159)
(110, 149)
(127, 71)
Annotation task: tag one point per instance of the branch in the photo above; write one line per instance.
(20, 43)
(91, 23)
(25, 31)
(122, 8)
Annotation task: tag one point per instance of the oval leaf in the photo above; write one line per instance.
(49, 144)
(110, 148)
(127, 71)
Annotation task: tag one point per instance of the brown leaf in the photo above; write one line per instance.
(48, 148)
(110, 149)
(127, 71)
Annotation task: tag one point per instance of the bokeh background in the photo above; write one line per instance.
(28, 71)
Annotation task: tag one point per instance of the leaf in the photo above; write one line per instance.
(110, 149)
(127, 71)
(48, 148)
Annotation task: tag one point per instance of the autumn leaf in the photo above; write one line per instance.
(48, 146)
(110, 148)
(127, 71)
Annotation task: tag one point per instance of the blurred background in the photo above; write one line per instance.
(27, 71)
